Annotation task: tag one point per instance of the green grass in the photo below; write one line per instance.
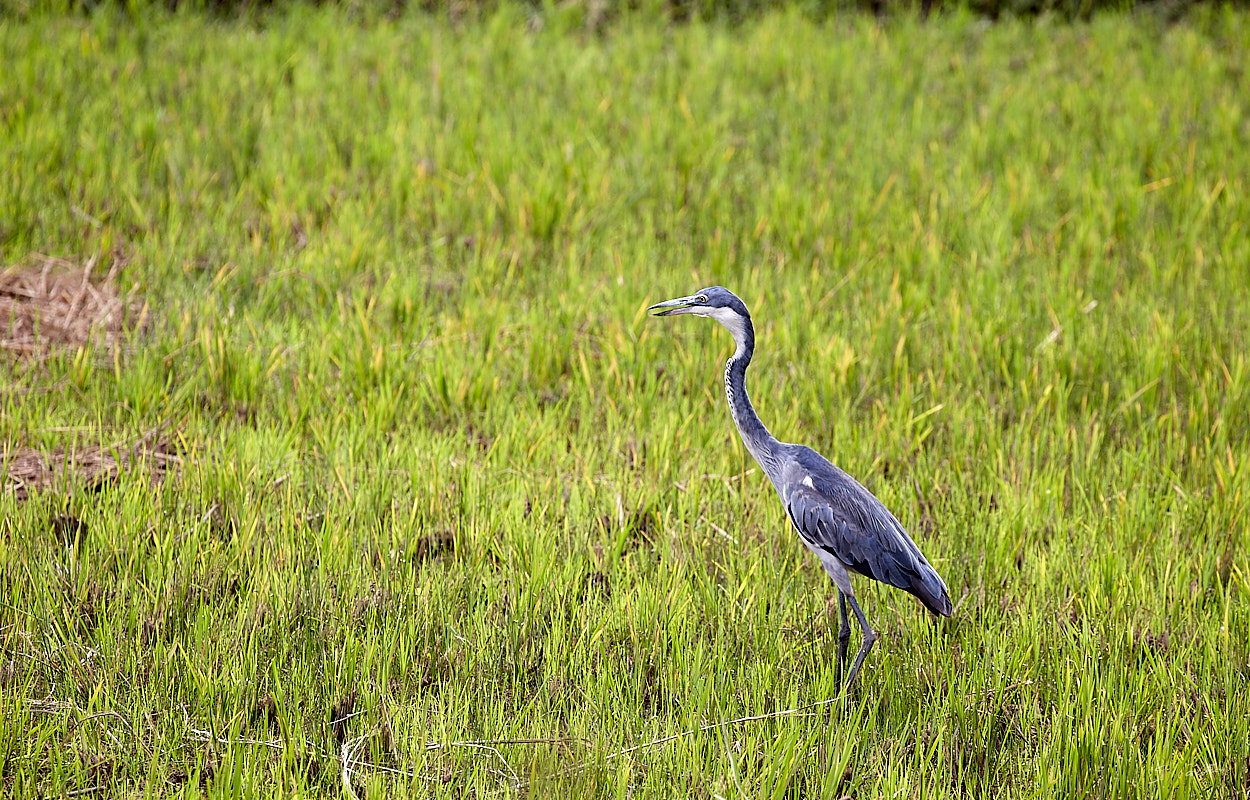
(439, 471)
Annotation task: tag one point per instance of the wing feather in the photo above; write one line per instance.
(836, 515)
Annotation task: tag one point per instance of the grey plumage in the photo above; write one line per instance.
(847, 528)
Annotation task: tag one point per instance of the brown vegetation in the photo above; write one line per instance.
(25, 470)
(52, 304)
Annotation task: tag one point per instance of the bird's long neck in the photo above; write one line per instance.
(763, 446)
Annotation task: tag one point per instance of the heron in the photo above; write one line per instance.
(844, 524)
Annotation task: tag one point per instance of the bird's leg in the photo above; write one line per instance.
(844, 636)
(870, 637)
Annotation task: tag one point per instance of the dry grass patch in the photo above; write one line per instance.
(25, 470)
(52, 304)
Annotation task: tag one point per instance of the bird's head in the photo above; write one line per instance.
(713, 302)
(716, 302)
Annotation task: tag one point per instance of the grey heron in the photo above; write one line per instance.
(839, 520)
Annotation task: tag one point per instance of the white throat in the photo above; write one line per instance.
(734, 322)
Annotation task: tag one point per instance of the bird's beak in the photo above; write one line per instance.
(669, 308)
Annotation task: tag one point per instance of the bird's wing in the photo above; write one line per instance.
(836, 515)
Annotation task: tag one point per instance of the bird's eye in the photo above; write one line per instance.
(701, 298)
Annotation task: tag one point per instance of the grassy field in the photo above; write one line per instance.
(388, 487)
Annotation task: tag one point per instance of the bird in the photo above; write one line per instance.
(839, 520)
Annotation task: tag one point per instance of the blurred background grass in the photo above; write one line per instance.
(595, 14)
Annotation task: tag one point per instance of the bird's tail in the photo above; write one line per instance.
(931, 590)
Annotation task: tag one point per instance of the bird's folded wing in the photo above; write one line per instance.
(835, 514)
(848, 532)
